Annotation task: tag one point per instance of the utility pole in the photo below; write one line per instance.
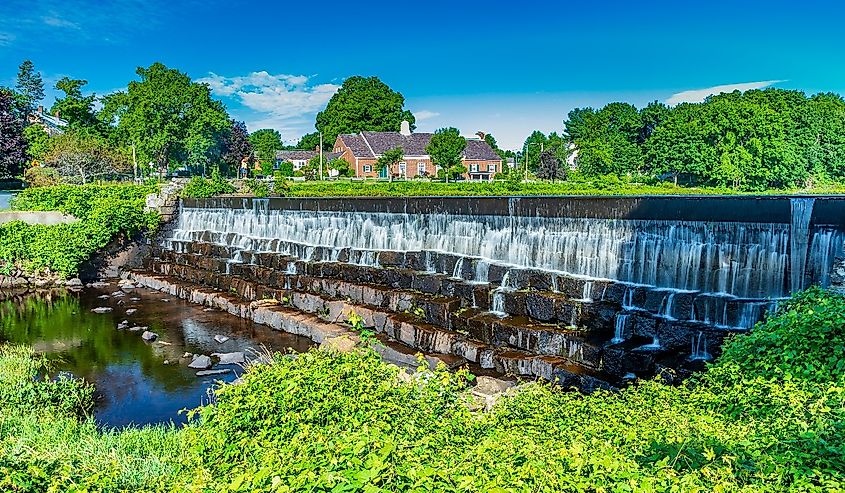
(134, 164)
(321, 156)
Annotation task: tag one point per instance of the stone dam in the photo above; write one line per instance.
(586, 291)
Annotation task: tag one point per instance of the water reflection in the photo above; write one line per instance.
(137, 382)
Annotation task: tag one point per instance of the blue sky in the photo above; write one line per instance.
(503, 67)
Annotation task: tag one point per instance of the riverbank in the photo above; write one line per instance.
(327, 420)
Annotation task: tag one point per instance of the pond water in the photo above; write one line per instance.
(137, 382)
(5, 197)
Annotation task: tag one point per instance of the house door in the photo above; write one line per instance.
(383, 172)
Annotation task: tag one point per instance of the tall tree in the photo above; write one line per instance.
(168, 118)
(77, 109)
(362, 103)
(266, 142)
(388, 160)
(29, 85)
(534, 145)
(12, 143)
(236, 147)
(446, 149)
(310, 141)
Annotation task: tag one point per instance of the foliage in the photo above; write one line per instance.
(12, 142)
(342, 167)
(756, 140)
(168, 118)
(76, 109)
(310, 141)
(236, 147)
(30, 86)
(286, 168)
(258, 188)
(387, 161)
(201, 187)
(80, 155)
(37, 142)
(551, 167)
(38, 176)
(767, 416)
(105, 212)
(266, 142)
(362, 104)
(446, 149)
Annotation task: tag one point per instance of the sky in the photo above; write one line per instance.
(506, 68)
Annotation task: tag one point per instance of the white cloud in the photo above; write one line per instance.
(283, 101)
(699, 95)
(6, 38)
(55, 21)
(425, 115)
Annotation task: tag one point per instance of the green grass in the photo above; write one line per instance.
(769, 416)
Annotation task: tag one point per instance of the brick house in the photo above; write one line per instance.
(363, 149)
(300, 158)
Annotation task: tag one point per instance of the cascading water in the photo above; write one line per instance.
(457, 272)
(799, 238)
(698, 350)
(619, 328)
(497, 305)
(587, 291)
(482, 271)
(750, 260)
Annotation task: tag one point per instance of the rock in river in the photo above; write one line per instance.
(149, 336)
(205, 373)
(235, 358)
(220, 339)
(201, 362)
(102, 309)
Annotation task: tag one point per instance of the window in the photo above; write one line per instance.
(473, 167)
(421, 168)
(368, 168)
(403, 167)
(491, 168)
(277, 164)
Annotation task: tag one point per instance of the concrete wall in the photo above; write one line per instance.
(50, 218)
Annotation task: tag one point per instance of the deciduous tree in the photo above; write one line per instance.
(362, 103)
(12, 142)
(74, 107)
(446, 149)
(82, 155)
(389, 160)
(551, 167)
(236, 147)
(266, 142)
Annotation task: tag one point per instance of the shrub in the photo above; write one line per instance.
(41, 177)
(200, 187)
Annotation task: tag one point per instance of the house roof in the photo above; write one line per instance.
(300, 155)
(52, 123)
(374, 144)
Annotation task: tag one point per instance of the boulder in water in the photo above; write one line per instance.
(149, 336)
(200, 362)
(235, 358)
(206, 373)
(102, 309)
(220, 339)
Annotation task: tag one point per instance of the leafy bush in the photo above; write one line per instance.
(257, 187)
(105, 211)
(768, 416)
(41, 177)
(200, 187)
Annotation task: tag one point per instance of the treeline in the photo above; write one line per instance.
(756, 140)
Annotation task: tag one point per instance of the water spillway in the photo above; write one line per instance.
(616, 286)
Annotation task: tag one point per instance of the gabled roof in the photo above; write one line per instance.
(480, 150)
(300, 155)
(374, 144)
(52, 124)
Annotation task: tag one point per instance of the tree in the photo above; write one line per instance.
(362, 103)
(82, 155)
(266, 142)
(533, 146)
(77, 109)
(30, 87)
(310, 141)
(286, 168)
(12, 142)
(551, 167)
(168, 118)
(342, 167)
(388, 160)
(37, 142)
(446, 149)
(236, 147)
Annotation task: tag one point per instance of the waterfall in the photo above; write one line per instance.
(555, 288)
(429, 263)
(628, 298)
(497, 306)
(748, 260)
(587, 291)
(698, 350)
(291, 269)
(666, 305)
(619, 329)
(457, 272)
(653, 346)
(799, 240)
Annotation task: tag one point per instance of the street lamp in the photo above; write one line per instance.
(528, 146)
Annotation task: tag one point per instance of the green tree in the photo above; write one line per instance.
(266, 142)
(77, 109)
(286, 168)
(342, 167)
(30, 86)
(362, 103)
(389, 160)
(446, 149)
(37, 142)
(311, 141)
(168, 118)
(83, 155)
(534, 145)
(551, 167)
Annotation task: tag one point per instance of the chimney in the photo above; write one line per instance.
(41, 108)
(316, 148)
(405, 128)
(481, 134)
